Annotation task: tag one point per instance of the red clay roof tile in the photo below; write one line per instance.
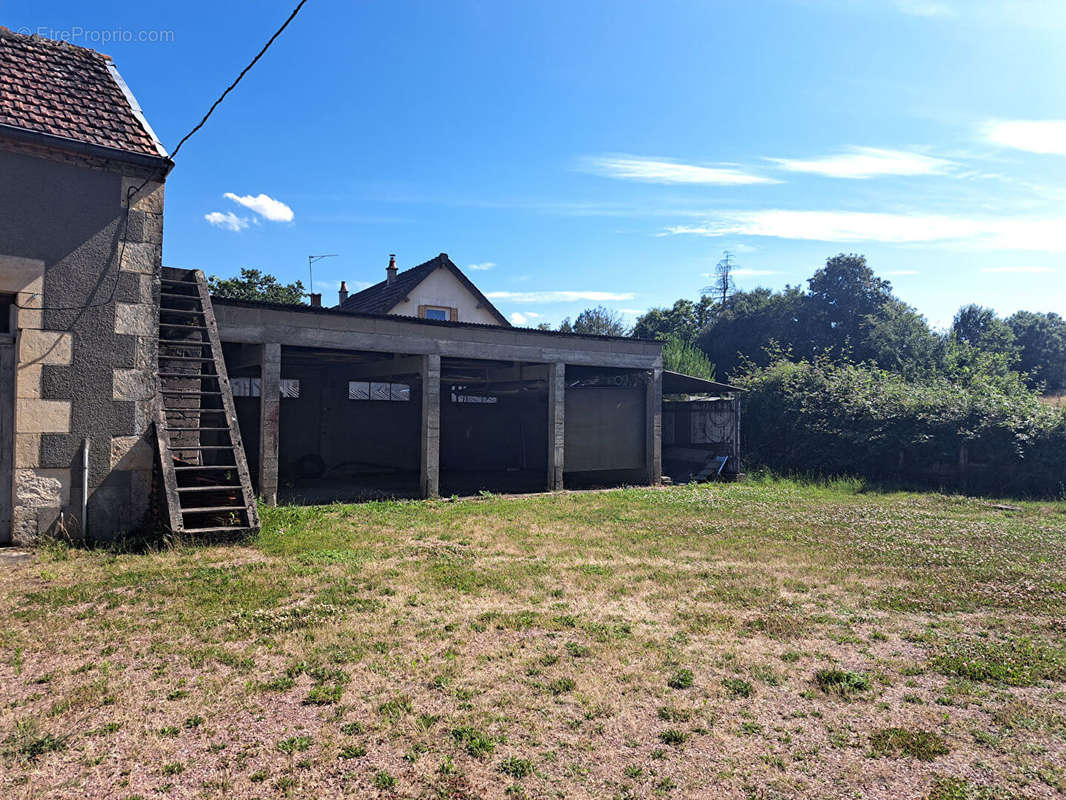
(63, 90)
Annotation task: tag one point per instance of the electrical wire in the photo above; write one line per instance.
(159, 173)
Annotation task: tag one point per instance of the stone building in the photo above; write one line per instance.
(81, 232)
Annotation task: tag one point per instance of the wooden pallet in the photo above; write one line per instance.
(205, 473)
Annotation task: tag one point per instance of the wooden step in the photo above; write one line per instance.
(209, 488)
(212, 509)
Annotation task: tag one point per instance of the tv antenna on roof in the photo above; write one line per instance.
(310, 275)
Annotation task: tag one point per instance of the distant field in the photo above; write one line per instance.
(1057, 400)
(750, 641)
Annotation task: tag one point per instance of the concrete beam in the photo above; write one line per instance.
(269, 413)
(389, 334)
(653, 430)
(429, 447)
(556, 425)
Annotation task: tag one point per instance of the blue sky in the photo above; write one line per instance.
(573, 153)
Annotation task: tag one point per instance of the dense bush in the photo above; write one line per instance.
(820, 417)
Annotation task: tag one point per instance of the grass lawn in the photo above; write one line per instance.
(760, 640)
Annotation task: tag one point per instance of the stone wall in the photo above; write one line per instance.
(85, 352)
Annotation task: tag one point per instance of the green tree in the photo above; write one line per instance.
(899, 339)
(255, 285)
(600, 321)
(979, 326)
(685, 357)
(685, 320)
(1041, 341)
(843, 295)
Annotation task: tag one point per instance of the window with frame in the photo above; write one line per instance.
(252, 387)
(443, 313)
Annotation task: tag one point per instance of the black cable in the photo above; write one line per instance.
(158, 172)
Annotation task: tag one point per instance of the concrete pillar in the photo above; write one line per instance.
(653, 429)
(429, 480)
(269, 428)
(556, 425)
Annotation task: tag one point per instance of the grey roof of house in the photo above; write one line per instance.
(382, 297)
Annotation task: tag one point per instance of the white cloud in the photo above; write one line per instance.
(264, 206)
(867, 162)
(559, 296)
(1035, 136)
(520, 318)
(992, 233)
(227, 221)
(926, 8)
(651, 170)
(1040, 270)
(484, 265)
(633, 312)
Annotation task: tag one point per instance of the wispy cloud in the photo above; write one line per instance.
(652, 170)
(561, 296)
(1033, 270)
(633, 312)
(1032, 135)
(227, 221)
(993, 233)
(867, 162)
(484, 265)
(263, 205)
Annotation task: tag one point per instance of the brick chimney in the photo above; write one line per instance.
(316, 300)
(390, 270)
(342, 295)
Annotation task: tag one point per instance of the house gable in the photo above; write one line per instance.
(436, 289)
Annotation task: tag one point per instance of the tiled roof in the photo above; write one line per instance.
(382, 297)
(72, 92)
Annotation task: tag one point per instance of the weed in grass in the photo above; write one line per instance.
(384, 780)
(294, 744)
(282, 683)
(577, 650)
(842, 682)
(665, 785)
(324, 694)
(1015, 661)
(897, 742)
(259, 776)
(477, 743)
(949, 788)
(352, 728)
(446, 766)
(671, 714)
(561, 686)
(396, 707)
(738, 687)
(173, 768)
(170, 731)
(426, 721)
(672, 736)
(28, 743)
(658, 754)
(682, 679)
(415, 752)
(790, 656)
(633, 772)
(177, 694)
(516, 767)
(353, 751)
(106, 729)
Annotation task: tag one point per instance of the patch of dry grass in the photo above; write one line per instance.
(761, 640)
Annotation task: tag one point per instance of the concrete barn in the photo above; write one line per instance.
(130, 396)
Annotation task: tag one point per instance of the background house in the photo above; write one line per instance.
(436, 289)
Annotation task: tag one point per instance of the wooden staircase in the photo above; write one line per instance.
(205, 473)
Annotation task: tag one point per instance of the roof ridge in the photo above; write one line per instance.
(36, 38)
